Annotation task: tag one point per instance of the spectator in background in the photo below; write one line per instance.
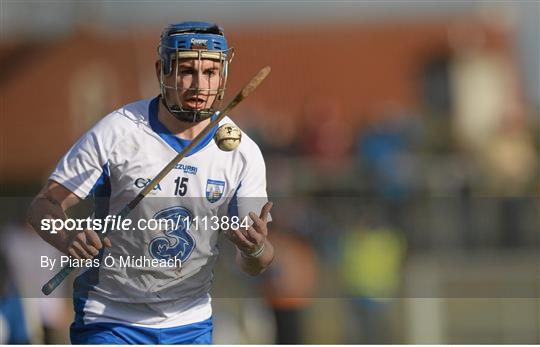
(326, 137)
(13, 328)
(510, 167)
(372, 257)
(385, 150)
(290, 283)
(47, 318)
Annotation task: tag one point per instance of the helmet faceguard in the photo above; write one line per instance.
(192, 41)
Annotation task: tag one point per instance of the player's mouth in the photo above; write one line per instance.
(195, 102)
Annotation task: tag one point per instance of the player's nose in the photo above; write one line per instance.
(198, 80)
(195, 78)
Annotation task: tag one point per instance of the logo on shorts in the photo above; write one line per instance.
(214, 190)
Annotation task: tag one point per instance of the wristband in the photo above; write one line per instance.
(255, 254)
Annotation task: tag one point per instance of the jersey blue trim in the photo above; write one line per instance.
(233, 204)
(172, 140)
(101, 191)
(90, 278)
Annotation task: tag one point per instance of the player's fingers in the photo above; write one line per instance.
(258, 224)
(255, 236)
(73, 253)
(238, 237)
(229, 233)
(243, 242)
(93, 239)
(266, 210)
(80, 250)
(85, 243)
(107, 242)
(92, 250)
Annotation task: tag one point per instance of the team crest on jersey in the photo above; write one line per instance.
(214, 190)
(176, 243)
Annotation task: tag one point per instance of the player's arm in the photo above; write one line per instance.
(52, 202)
(254, 251)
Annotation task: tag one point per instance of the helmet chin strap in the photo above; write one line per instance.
(192, 116)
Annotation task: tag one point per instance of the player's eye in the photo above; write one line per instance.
(187, 71)
(210, 72)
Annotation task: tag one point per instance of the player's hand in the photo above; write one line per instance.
(250, 240)
(85, 244)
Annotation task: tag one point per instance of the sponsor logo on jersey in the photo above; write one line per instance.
(177, 242)
(142, 182)
(214, 190)
(188, 169)
(199, 43)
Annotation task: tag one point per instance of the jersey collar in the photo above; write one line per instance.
(172, 140)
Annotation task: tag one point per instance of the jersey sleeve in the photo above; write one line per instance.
(85, 162)
(251, 195)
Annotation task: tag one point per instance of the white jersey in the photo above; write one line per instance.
(113, 161)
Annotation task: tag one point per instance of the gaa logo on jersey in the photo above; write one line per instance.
(143, 182)
(214, 190)
(177, 243)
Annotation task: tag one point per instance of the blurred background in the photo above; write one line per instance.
(402, 152)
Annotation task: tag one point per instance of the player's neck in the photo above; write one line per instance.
(184, 130)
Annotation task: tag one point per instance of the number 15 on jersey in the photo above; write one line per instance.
(180, 188)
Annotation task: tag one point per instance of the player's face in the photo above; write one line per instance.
(197, 82)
